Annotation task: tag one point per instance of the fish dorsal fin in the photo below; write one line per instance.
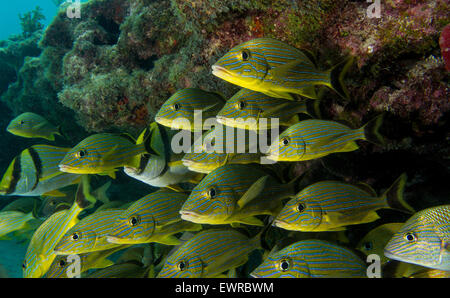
(251, 220)
(128, 137)
(367, 188)
(253, 191)
(54, 193)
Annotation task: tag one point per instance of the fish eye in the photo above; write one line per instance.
(240, 105)
(182, 265)
(24, 265)
(134, 220)
(75, 236)
(52, 203)
(285, 141)
(410, 237)
(284, 265)
(301, 207)
(176, 106)
(62, 263)
(245, 55)
(368, 246)
(81, 154)
(211, 193)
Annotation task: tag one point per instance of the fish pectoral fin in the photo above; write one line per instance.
(103, 264)
(54, 193)
(111, 174)
(253, 191)
(175, 163)
(210, 107)
(269, 112)
(197, 178)
(175, 187)
(253, 221)
(41, 179)
(367, 188)
(350, 146)
(169, 240)
(109, 155)
(309, 92)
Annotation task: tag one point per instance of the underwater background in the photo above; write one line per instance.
(113, 68)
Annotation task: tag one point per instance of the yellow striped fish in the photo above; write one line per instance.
(311, 139)
(189, 103)
(123, 270)
(153, 218)
(209, 254)
(246, 109)
(161, 167)
(235, 194)
(40, 254)
(31, 125)
(11, 221)
(91, 260)
(216, 152)
(35, 172)
(274, 68)
(424, 239)
(375, 241)
(25, 205)
(89, 234)
(333, 205)
(103, 154)
(311, 259)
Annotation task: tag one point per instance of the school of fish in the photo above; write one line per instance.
(216, 203)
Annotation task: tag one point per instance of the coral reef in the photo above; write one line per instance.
(31, 21)
(114, 67)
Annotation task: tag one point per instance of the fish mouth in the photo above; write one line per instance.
(116, 240)
(66, 169)
(273, 157)
(390, 255)
(221, 119)
(282, 224)
(191, 216)
(220, 71)
(59, 251)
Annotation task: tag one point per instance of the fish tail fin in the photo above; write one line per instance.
(34, 214)
(394, 195)
(83, 197)
(313, 108)
(371, 131)
(294, 185)
(337, 74)
(260, 238)
(60, 132)
(100, 193)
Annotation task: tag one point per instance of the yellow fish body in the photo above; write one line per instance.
(31, 125)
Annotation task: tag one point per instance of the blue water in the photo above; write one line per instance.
(9, 14)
